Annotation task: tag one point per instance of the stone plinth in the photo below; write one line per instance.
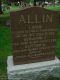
(33, 71)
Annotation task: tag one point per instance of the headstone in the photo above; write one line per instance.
(34, 35)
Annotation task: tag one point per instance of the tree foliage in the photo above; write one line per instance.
(59, 1)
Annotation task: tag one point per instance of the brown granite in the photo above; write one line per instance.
(33, 35)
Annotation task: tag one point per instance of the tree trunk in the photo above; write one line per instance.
(54, 2)
(34, 2)
(1, 8)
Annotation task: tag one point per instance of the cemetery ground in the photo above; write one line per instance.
(6, 41)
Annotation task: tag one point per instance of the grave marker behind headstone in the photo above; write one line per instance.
(34, 35)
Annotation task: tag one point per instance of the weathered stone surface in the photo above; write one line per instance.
(33, 71)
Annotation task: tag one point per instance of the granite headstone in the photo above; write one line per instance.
(33, 35)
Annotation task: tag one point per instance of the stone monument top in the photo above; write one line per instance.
(33, 35)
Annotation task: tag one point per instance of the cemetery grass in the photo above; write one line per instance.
(6, 42)
(56, 7)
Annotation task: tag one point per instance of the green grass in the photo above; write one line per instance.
(56, 7)
(5, 39)
(5, 33)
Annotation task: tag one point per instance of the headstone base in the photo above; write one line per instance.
(33, 71)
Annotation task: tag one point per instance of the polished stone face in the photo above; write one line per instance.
(34, 35)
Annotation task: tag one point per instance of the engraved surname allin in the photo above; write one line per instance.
(43, 18)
